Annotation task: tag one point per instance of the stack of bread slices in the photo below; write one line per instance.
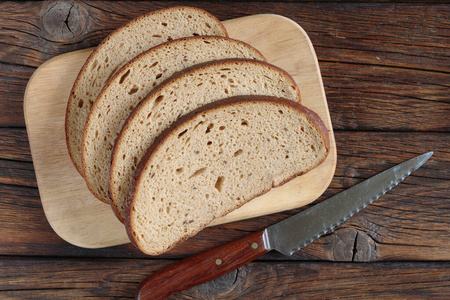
(175, 124)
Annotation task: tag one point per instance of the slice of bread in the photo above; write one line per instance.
(119, 47)
(215, 159)
(133, 82)
(181, 94)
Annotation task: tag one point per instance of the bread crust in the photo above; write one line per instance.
(142, 165)
(94, 54)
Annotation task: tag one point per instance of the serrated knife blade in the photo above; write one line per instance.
(292, 234)
(286, 237)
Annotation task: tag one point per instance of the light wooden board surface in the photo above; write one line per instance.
(79, 218)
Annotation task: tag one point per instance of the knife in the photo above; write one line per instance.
(287, 236)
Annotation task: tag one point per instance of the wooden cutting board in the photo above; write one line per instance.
(79, 218)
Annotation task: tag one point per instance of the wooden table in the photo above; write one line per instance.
(385, 69)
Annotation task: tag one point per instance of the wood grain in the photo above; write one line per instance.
(385, 68)
(390, 61)
(17, 173)
(14, 144)
(398, 224)
(76, 278)
(74, 212)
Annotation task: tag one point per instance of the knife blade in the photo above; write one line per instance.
(287, 236)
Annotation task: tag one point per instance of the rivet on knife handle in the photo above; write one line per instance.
(203, 267)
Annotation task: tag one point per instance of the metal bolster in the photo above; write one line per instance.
(266, 241)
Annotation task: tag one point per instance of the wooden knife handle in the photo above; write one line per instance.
(201, 268)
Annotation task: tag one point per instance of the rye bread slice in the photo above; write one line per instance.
(132, 83)
(121, 46)
(216, 158)
(181, 94)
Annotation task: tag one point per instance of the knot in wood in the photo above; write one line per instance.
(342, 245)
(63, 21)
(365, 248)
(218, 286)
(349, 244)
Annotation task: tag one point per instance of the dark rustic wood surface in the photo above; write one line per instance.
(385, 67)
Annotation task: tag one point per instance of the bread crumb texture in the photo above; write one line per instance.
(183, 94)
(215, 162)
(121, 46)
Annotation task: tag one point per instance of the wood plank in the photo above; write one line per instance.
(398, 69)
(17, 173)
(13, 81)
(72, 278)
(14, 144)
(406, 215)
(409, 223)
(378, 76)
(369, 97)
(24, 229)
